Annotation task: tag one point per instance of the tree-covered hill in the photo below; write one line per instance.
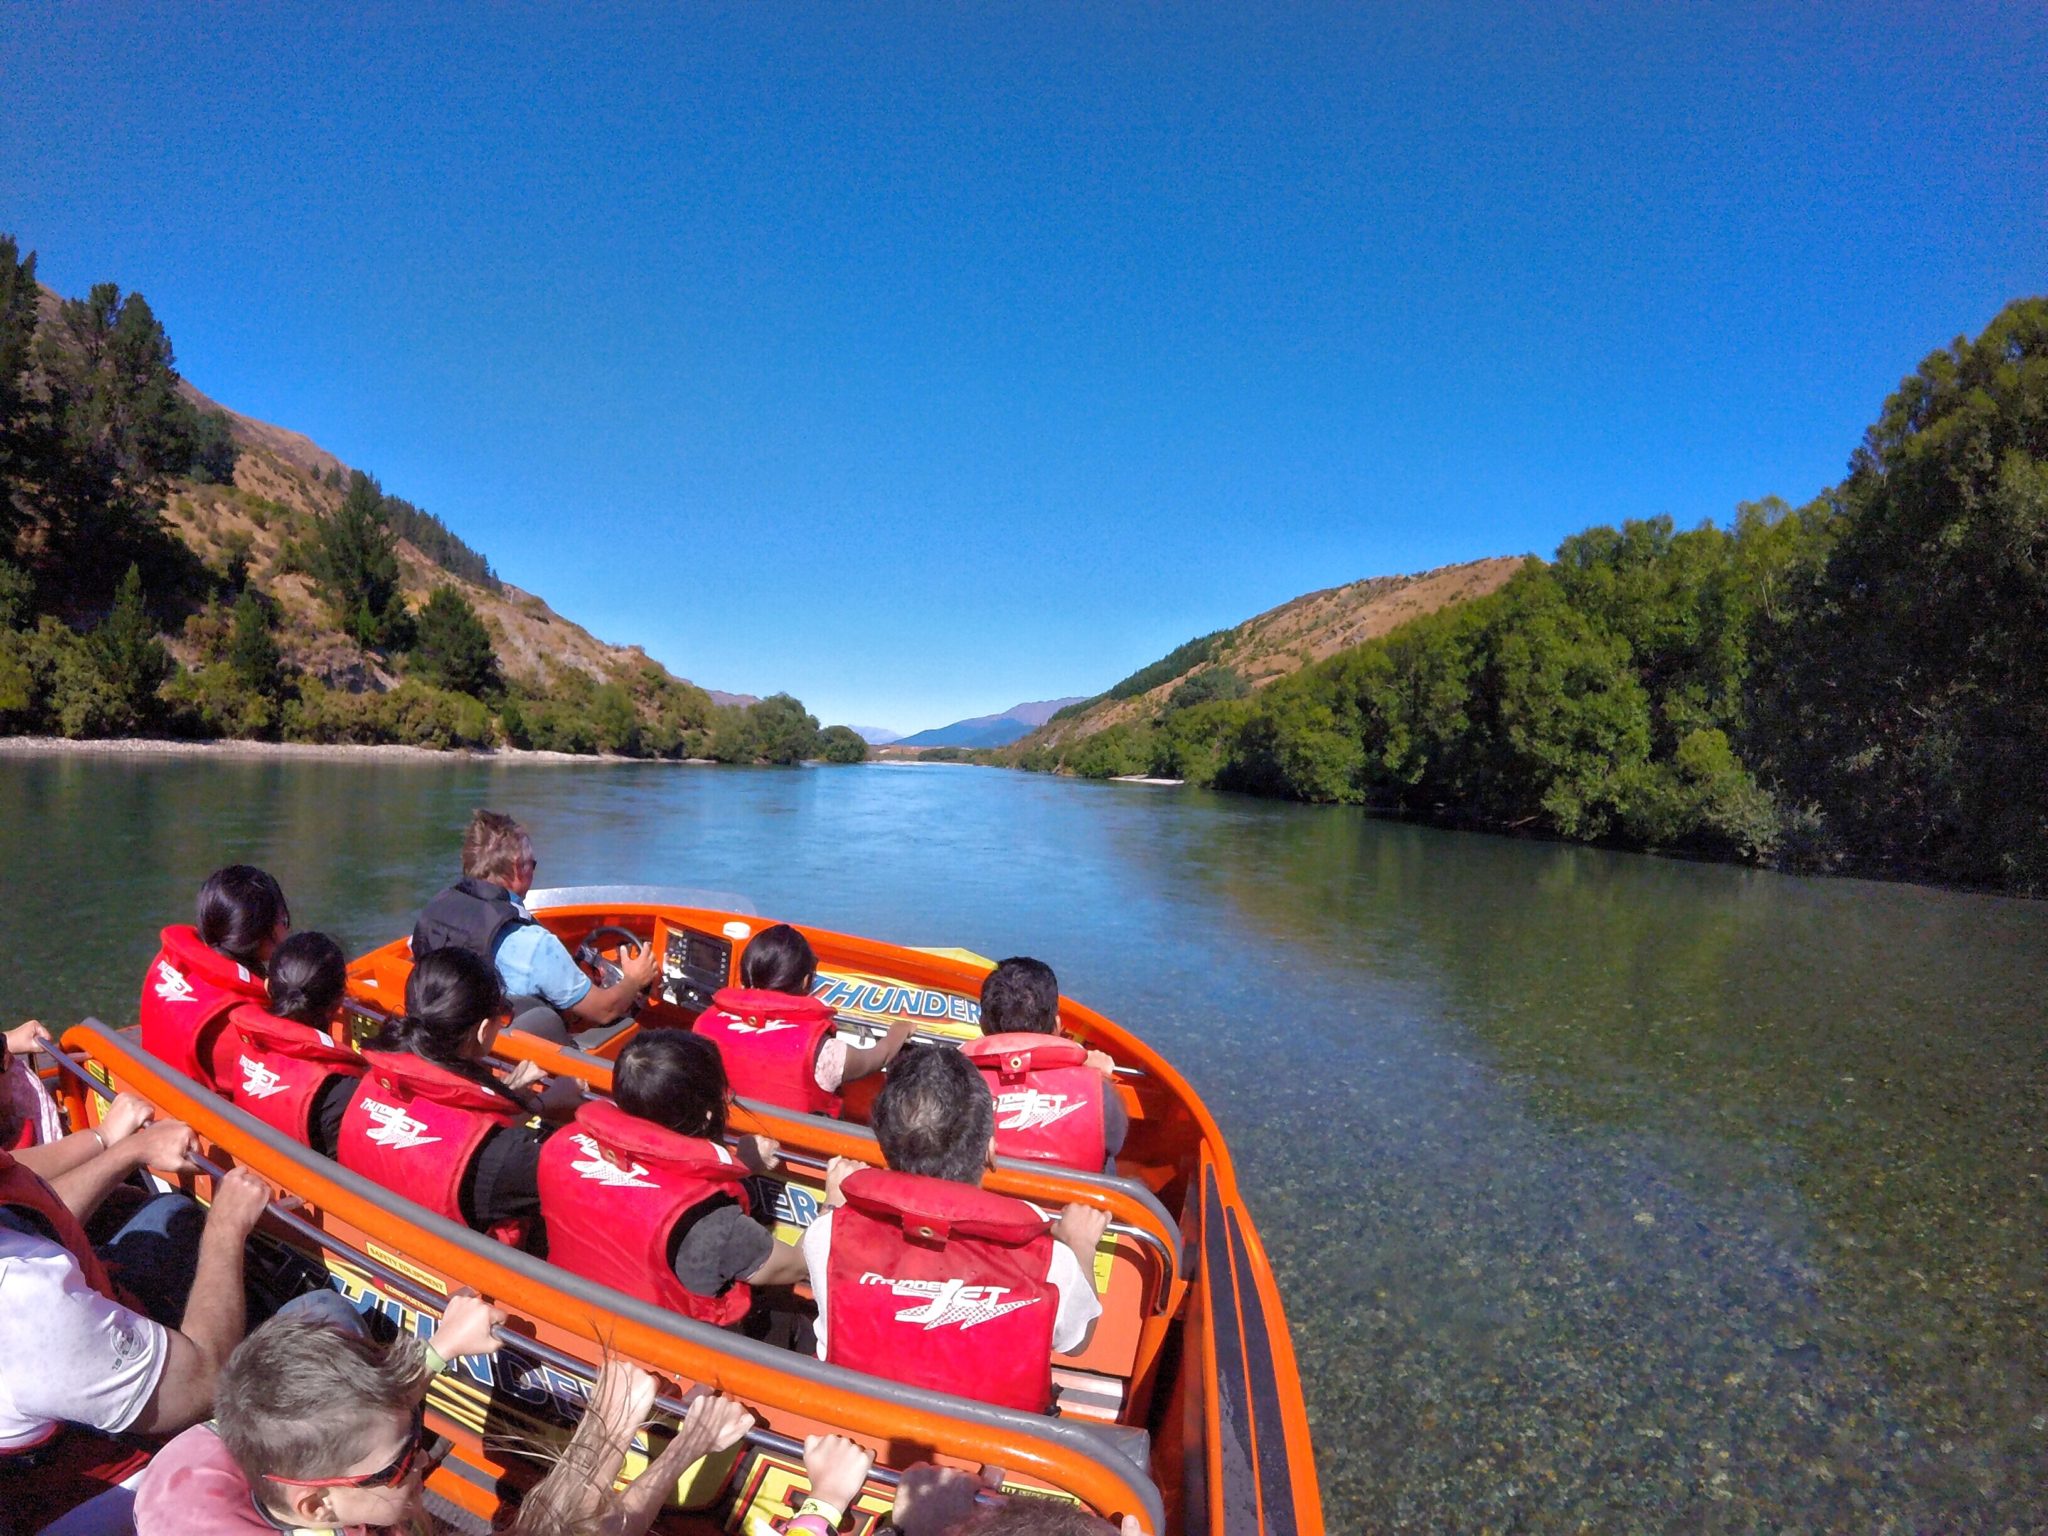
(168, 566)
(1858, 683)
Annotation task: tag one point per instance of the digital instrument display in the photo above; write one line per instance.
(695, 966)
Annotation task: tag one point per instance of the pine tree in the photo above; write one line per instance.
(355, 560)
(129, 656)
(452, 648)
(252, 651)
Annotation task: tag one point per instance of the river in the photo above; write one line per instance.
(1606, 1192)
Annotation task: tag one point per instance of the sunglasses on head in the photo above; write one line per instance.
(385, 1477)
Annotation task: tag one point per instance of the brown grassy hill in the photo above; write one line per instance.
(284, 481)
(1285, 639)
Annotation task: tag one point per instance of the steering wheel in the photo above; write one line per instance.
(590, 953)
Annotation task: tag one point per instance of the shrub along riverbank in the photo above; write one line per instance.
(1860, 683)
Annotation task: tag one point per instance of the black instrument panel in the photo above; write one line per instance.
(694, 965)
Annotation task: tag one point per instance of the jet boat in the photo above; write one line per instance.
(1184, 1409)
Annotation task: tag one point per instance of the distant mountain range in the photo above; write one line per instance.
(989, 730)
(876, 735)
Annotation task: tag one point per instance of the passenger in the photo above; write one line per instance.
(642, 1193)
(82, 1359)
(286, 1070)
(25, 1103)
(485, 912)
(201, 972)
(576, 1499)
(314, 1426)
(431, 1121)
(836, 1470)
(1055, 1101)
(994, 1294)
(780, 1043)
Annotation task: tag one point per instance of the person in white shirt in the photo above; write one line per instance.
(935, 1117)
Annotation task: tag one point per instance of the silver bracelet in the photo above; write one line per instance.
(96, 1136)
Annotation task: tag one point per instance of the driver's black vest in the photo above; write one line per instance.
(471, 914)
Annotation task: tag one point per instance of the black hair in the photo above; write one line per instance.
(239, 909)
(935, 1115)
(1020, 996)
(449, 993)
(308, 975)
(675, 1079)
(779, 959)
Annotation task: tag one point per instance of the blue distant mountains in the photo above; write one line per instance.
(990, 730)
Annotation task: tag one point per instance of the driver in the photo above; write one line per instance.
(484, 912)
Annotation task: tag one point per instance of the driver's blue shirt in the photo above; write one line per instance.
(534, 963)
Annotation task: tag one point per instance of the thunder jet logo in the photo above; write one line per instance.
(744, 1028)
(950, 1303)
(610, 1174)
(258, 1081)
(1028, 1109)
(395, 1128)
(171, 985)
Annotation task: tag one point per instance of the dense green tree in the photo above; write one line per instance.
(252, 653)
(1904, 697)
(842, 744)
(19, 417)
(451, 647)
(355, 560)
(131, 659)
(213, 449)
(614, 721)
(1207, 686)
(782, 730)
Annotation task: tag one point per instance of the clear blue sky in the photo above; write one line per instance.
(921, 360)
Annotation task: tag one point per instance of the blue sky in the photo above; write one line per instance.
(921, 360)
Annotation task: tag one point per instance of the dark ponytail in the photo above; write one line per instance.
(675, 1079)
(239, 909)
(449, 993)
(779, 959)
(308, 976)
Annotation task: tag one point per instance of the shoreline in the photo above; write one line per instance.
(301, 751)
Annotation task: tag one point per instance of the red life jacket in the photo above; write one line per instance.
(186, 997)
(22, 1189)
(1048, 1100)
(942, 1285)
(770, 1042)
(276, 1068)
(612, 1189)
(415, 1128)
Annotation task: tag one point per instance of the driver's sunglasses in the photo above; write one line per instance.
(385, 1477)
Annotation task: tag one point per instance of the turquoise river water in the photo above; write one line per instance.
(1606, 1192)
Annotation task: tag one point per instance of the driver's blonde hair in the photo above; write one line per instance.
(491, 847)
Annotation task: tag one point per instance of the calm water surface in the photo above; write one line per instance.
(1606, 1192)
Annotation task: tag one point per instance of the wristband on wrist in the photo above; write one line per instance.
(810, 1525)
(96, 1136)
(815, 1508)
(435, 1363)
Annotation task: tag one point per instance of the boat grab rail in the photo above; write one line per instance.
(429, 1302)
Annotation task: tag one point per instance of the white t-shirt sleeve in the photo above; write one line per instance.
(1079, 1305)
(830, 1071)
(817, 1242)
(66, 1352)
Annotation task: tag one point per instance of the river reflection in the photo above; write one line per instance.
(1606, 1192)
